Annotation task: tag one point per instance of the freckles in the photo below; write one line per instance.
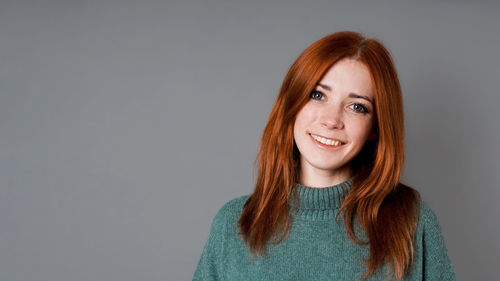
(359, 127)
(311, 115)
(307, 114)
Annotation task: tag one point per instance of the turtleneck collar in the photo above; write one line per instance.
(324, 198)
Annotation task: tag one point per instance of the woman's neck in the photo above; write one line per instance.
(318, 178)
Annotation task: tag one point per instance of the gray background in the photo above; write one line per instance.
(126, 125)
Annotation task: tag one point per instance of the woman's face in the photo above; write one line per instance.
(341, 108)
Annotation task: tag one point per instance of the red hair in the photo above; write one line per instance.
(385, 208)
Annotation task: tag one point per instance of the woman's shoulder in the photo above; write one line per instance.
(428, 218)
(230, 210)
(426, 210)
(233, 206)
(426, 214)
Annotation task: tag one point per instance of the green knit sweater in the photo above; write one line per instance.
(316, 248)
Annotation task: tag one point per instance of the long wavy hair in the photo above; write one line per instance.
(386, 209)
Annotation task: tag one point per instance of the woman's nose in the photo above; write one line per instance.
(331, 118)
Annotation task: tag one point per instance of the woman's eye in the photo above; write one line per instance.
(359, 108)
(316, 95)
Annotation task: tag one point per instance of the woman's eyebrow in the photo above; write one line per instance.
(351, 95)
(326, 87)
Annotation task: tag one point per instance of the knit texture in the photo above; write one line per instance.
(317, 246)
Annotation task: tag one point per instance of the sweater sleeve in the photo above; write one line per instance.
(436, 262)
(210, 263)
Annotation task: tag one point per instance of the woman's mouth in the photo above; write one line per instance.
(326, 143)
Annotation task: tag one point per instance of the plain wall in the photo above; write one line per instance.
(126, 125)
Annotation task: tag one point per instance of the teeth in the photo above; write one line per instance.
(326, 141)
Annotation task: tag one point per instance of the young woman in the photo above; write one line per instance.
(328, 203)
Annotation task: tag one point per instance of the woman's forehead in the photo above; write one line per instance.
(348, 75)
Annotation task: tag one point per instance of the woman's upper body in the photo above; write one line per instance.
(338, 119)
(317, 247)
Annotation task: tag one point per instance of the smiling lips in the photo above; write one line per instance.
(330, 142)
